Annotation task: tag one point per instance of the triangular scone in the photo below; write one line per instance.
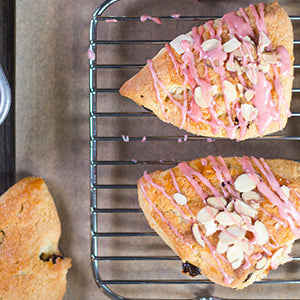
(231, 77)
(233, 218)
(31, 265)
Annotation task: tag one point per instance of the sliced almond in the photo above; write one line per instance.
(229, 91)
(233, 66)
(236, 264)
(234, 253)
(244, 183)
(244, 245)
(249, 95)
(252, 75)
(227, 218)
(262, 235)
(249, 112)
(264, 66)
(240, 87)
(213, 90)
(245, 209)
(270, 58)
(238, 54)
(176, 90)
(230, 206)
(210, 228)
(197, 235)
(226, 238)
(216, 202)
(231, 45)
(238, 232)
(221, 247)
(210, 44)
(263, 41)
(200, 99)
(206, 214)
(261, 263)
(251, 195)
(176, 43)
(180, 199)
(285, 190)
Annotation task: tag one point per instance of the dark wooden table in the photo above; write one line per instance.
(7, 61)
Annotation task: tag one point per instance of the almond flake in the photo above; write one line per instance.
(245, 209)
(269, 57)
(249, 95)
(228, 218)
(261, 263)
(197, 235)
(210, 228)
(244, 183)
(231, 45)
(210, 44)
(200, 99)
(262, 235)
(176, 43)
(240, 87)
(234, 253)
(285, 190)
(214, 90)
(252, 75)
(229, 91)
(244, 245)
(236, 264)
(238, 232)
(263, 41)
(249, 112)
(206, 214)
(216, 202)
(251, 195)
(226, 238)
(230, 207)
(238, 54)
(264, 66)
(233, 66)
(180, 199)
(221, 247)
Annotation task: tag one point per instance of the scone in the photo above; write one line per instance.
(31, 265)
(233, 218)
(231, 77)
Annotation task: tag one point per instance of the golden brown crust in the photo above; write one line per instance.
(175, 229)
(29, 232)
(141, 89)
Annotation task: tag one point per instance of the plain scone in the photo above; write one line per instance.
(233, 218)
(206, 94)
(31, 265)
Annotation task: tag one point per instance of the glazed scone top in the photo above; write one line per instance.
(231, 77)
(238, 215)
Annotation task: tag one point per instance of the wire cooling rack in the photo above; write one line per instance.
(129, 260)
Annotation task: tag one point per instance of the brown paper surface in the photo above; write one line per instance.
(52, 136)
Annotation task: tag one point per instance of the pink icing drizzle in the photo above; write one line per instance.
(240, 27)
(111, 21)
(91, 54)
(286, 209)
(175, 16)
(144, 18)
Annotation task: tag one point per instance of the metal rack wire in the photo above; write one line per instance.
(123, 164)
